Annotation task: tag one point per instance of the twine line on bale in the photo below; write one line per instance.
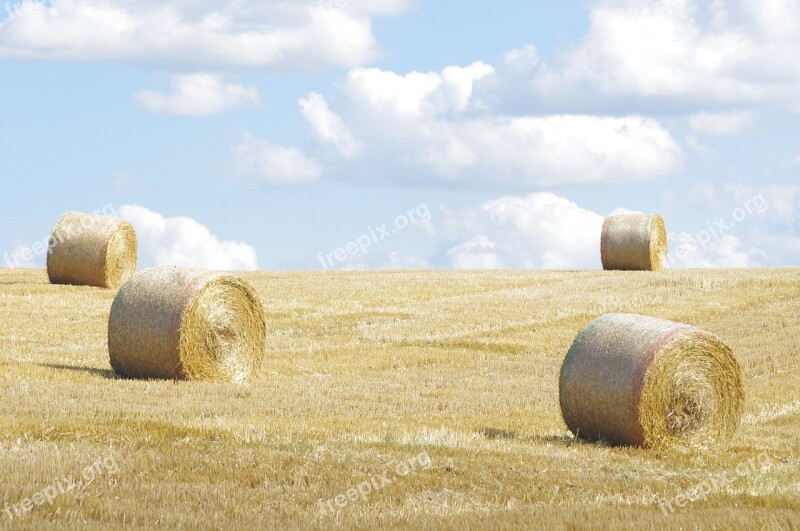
(642, 381)
(91, 250)
(187, 324)
(634, 242)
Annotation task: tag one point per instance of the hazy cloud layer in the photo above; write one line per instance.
(200, 94)
(264, 161)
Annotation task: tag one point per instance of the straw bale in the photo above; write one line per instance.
(634, 242)
(642, 381)
(187, 324)
(91, 250)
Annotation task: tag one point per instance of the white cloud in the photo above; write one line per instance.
(619, 211)
(725, 251)
(249, 33)
(759, 229)
(274, 164)
(182, 241)
(778, 204)
(538, 231)
(430, 126)
(716, 124)
(557, 150)
(416, 94)
(579, 116)
(653, 47)
(476, 253)
(200, 94)
(686, 54)
(328, 126)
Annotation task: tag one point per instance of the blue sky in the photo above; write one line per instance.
(271, 135)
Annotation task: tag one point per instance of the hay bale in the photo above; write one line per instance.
(634, 242)
(186, 324)
(642, 381)
(91, 250)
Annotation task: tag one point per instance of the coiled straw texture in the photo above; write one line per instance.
(634, 242)
(187, 324)
(91, 250)
(641, 381)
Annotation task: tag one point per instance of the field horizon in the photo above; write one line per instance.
(391, 399)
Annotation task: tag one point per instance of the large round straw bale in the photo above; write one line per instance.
(186, 324)
(634, 242)
(91, 250)
(641, 381)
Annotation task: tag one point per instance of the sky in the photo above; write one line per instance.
(395, 134)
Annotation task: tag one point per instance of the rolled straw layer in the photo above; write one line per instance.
(91, 250)
(186, 324)
(641, 381)
(634, 242)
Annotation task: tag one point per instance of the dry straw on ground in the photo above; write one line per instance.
(368, 368)
(635, 242)
(636, 380)
(186, 324)
(91, 250)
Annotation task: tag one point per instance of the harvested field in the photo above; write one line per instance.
(439, 389)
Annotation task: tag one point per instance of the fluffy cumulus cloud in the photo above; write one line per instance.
(430, 127)
(249, 33)
(538, 231)
(200, 94)
(685, 54)
(183, 241)
(328, 126)
(475, 253)
(585, 114)
(266, 162)
(726, 250)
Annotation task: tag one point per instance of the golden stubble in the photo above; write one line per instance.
(366, 369)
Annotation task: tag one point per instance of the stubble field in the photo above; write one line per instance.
(438, 390)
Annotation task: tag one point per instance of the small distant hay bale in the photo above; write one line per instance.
(641, 381)
(90, 250)
(634, 242)
(187, 324)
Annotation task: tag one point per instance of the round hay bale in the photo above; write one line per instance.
(89, 250)
(634, 242)
(641, 381)
(186, 324)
